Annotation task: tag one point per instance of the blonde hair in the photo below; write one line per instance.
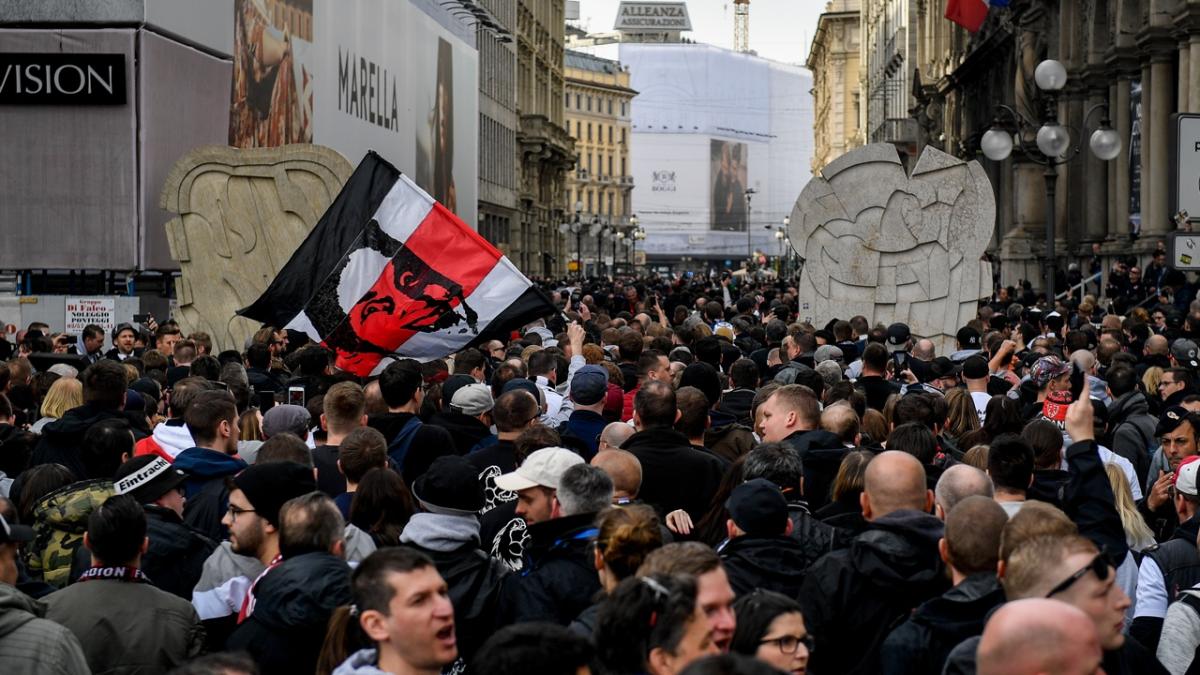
(977, 457)
(1137, 533)
(64, 394)
(1151, 377)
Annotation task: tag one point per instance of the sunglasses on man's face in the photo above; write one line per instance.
(1099, 565)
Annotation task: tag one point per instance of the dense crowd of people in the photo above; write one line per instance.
(671, 475)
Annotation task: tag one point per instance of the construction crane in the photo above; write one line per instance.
(741, 25)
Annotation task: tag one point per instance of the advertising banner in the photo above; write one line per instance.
(82, 312)
(359, 75)
(728, 171)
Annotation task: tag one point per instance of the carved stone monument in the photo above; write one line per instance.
(894, 247)
(242, 213)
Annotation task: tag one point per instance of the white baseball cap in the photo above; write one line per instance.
(542, 468)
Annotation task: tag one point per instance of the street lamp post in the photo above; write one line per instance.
(1053, 141)
(619, 236)
(578, 240)
(750, 192)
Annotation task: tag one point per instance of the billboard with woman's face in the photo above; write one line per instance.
(727, 180)
(360, 75)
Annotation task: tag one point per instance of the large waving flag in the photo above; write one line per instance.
(970, 14)
(390, 273)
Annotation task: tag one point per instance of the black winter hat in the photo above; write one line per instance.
(268, 486)
(450, 486)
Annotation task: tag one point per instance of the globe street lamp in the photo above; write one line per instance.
(1053, 142)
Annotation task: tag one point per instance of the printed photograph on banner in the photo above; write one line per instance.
(728, 183)
(271, 101)
(435, 132)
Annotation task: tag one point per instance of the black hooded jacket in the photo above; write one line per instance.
(558, 580)
(822, 453)
(292, 606)
(853, 598)
(474, 580)
(428, 443)
(921, 644)
(773, 563)
(464, 429)
(177, 552)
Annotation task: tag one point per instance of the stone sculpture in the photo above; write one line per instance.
(891, 247)
(241, 215)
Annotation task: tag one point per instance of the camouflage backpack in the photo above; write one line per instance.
(59, 522)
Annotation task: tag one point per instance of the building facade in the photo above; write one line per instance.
(546, 151)
(837, 99)
(598, 103)
(499, 125)
(1132, 62)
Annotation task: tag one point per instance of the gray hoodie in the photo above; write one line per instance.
(31, 645)
(361, 662)
(1180, 636)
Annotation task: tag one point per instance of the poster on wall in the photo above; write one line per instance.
(83, 312)
(728, 171)
(271, 102)
(359, 75)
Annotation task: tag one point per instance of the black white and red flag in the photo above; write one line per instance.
(390, 273)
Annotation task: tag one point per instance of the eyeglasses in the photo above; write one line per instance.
(789, 644)
(1099, 565)
(234, 512)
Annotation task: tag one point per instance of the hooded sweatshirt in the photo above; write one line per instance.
(474, 578)
(852, 598)
(168, 440)
(921, 644)
(207, 496)
(32, 645)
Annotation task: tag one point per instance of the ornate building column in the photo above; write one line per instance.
(1158, 101)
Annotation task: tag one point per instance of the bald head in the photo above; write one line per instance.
(956, 484)
(615, 435)
(842, 421)
(624, 469)
(1084, 359)
(1029, 637)
(1157, 345)
(894, 481)
(924, 350)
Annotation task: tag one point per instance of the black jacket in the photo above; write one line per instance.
(262, 380)
(921, 644)
(465, 430)
(1131, 659)
(177, 552)
(774, 563)
(429, 443)
(292, 606)
(558, 580)
(329, 479)
(877, 390)
(1048, 485)
(475, 581)
(821, 453)
(815, 537)
(1132, 429)
(62, 438)
(1088, 500)
(492, 462)
(853, 598)
(674, 474)
(738, 403)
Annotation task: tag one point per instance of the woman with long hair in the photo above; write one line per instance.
(1138, 535)
(381, 506)
(1003, 417)
(962, 417)
(64, 394)
(770, 627)
(652, 625)
(844, 509)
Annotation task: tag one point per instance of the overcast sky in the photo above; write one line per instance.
(779, 29)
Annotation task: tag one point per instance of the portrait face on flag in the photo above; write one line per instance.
(389, 273)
